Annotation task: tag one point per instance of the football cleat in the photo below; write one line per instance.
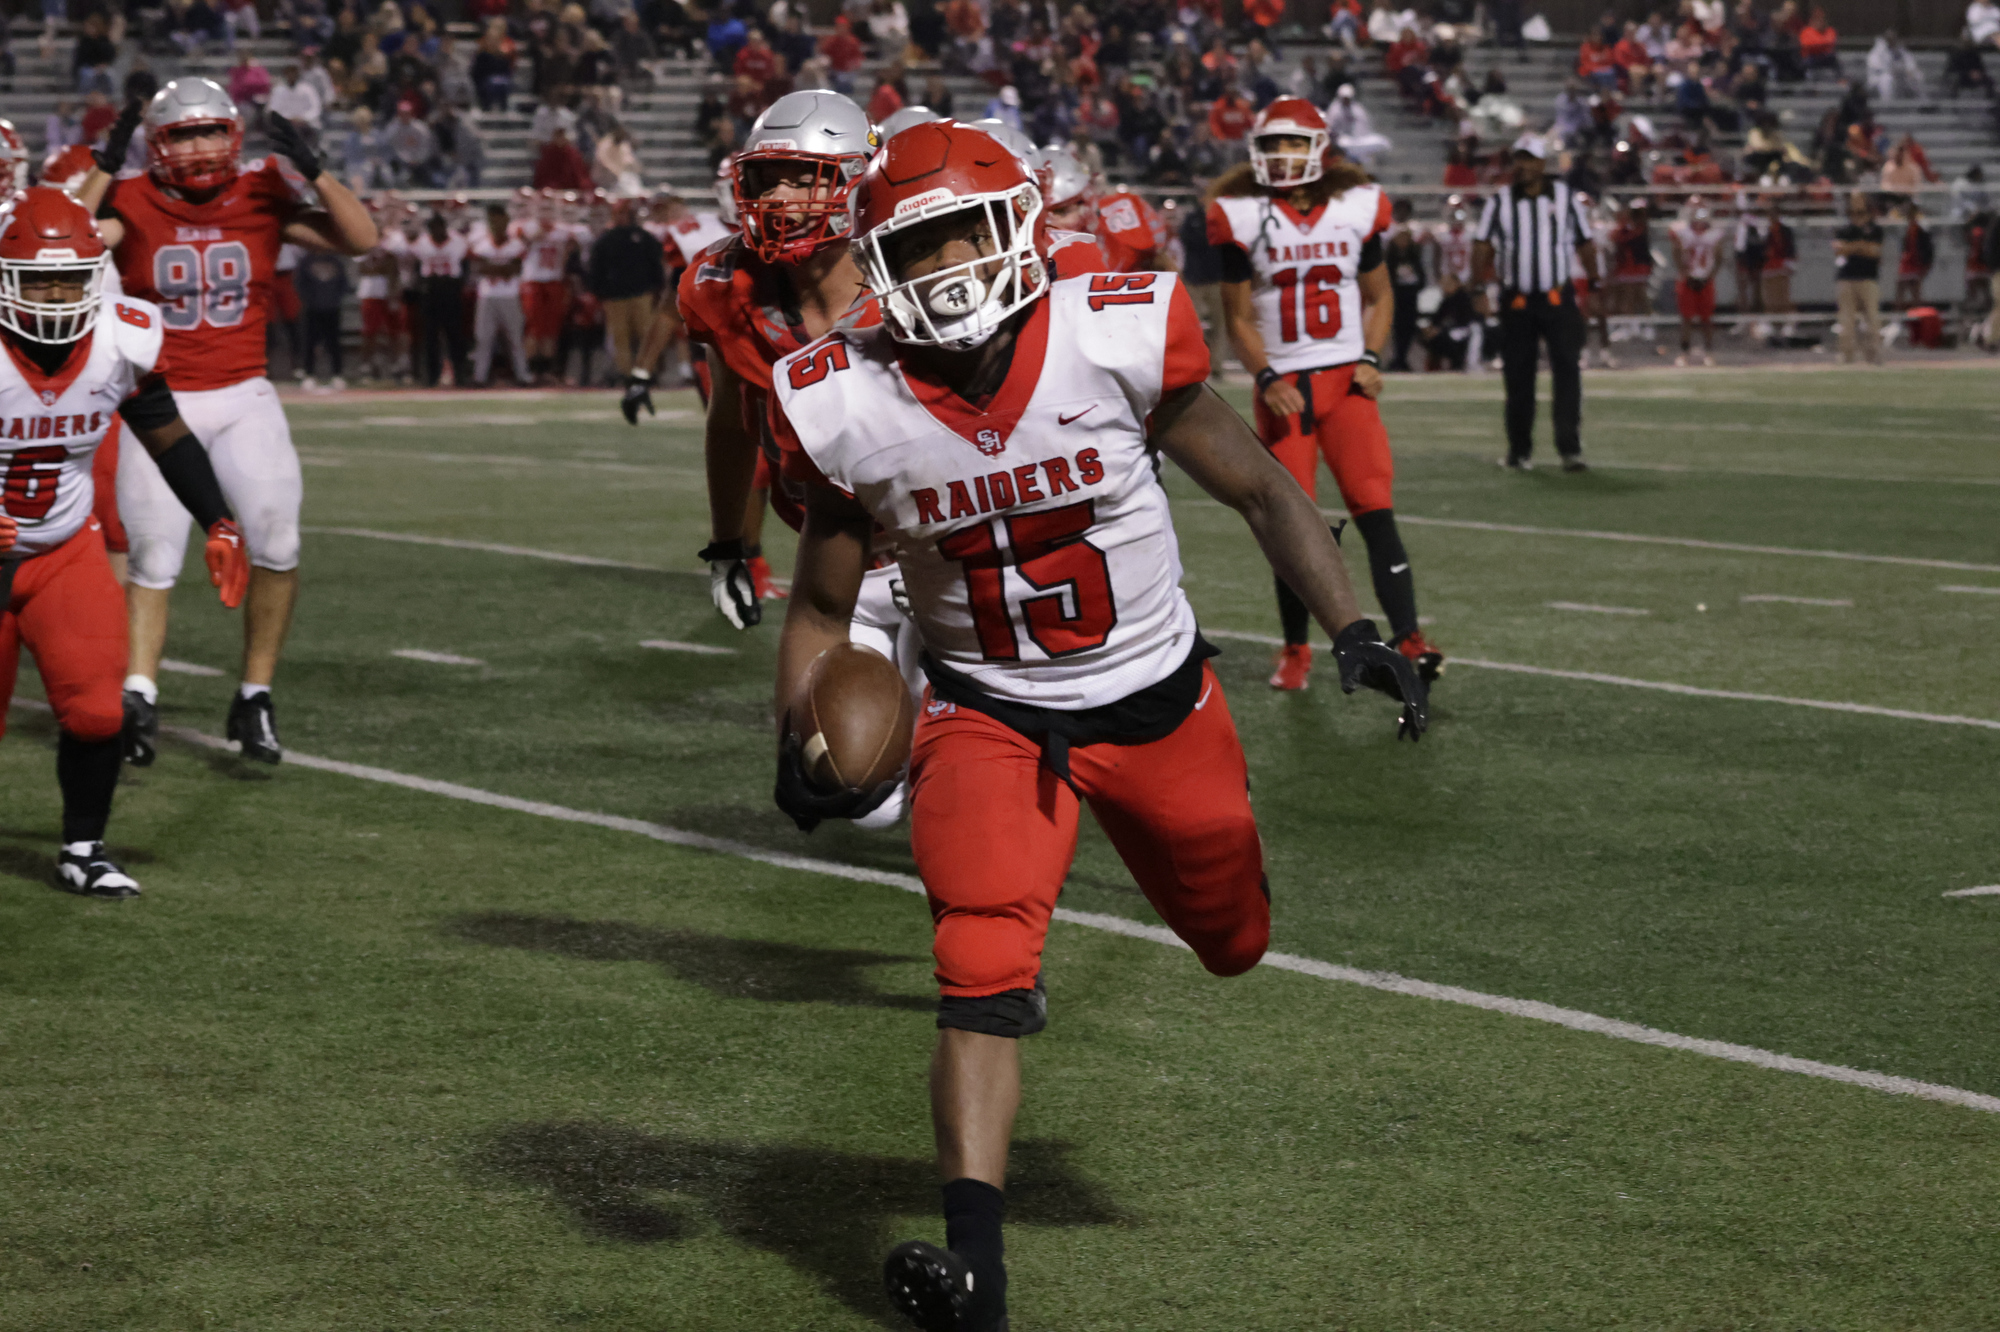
(86, 868)
(760, 578)
(254, 723)
(1575, 463)
(141, 730)
(1429, 661)
(1513, 464)
(1294, 663)
(932, 1287)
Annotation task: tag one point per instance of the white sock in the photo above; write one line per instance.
(143, 687)
(251, 691)
(79, 848)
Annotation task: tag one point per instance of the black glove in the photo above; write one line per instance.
(1365, 659)
(638, 393)
(730, 585)
(807, 804)
(290, 142)
(111, 157)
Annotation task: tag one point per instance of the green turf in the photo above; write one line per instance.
(363, 1057)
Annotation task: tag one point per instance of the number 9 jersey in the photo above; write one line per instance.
(1034, 537)
(1304, 292)
(208, 266)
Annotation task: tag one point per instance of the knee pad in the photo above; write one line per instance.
(154, 561)
(272, 535)
(1011, 1013)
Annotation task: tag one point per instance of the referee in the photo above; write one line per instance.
(1530, 239)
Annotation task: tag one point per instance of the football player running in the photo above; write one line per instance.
(198, 233)
(66, 378)
(1001, 432)
(1308, 307)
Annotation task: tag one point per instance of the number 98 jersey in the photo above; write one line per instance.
(1307, 302)
(1033, 535)
(208, 266)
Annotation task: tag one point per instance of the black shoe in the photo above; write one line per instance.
(1575, 463)
(1513, 464)
(142, 729)
(94, 873)
(254, 722)
(932, 1287)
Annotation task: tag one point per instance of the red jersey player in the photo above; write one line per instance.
(1002, 430)
(1306, 300)
(64, 369)
(198, 232)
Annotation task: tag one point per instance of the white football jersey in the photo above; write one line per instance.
(696, 233)
(1454, 250)
(1304, 293)
(548, 246)
(1034, 537)
(50, 426)
(483, 246)
(1698, 250)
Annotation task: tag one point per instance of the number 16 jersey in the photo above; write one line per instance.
(208, 266)
(1034, 538)
(1304, 292)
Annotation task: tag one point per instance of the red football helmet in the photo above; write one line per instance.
(1295, 118)
(68, 169)
(46, 235)
(198, 108)
(13, 158)
(932, 171)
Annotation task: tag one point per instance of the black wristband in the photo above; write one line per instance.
(184, 466)
(732, 549)
(1265, 378)
(1373, 358)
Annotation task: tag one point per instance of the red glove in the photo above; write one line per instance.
(10, 531)
(228, 561)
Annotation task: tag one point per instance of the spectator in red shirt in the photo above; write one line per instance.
(561, 166)
(98, 115)
(1230, 117)
(756, 59)
(1405, 61)
(843, 55)
(1265, 14)
(1817, 41)
(887, 101)
(1630, 55)
(1596, 66)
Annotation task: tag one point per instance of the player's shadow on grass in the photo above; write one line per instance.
(733, 968)
(25, 855)
(831, 1214)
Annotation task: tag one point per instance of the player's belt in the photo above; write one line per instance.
(1308, 420)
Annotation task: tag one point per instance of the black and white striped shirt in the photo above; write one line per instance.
(1534, 240)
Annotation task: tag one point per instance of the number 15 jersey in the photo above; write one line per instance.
(1304, 293)
(1034, 537)
(209, 266)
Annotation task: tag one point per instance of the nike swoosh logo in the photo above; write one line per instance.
(1398, 568)
(1204, 695)
(1065, 420)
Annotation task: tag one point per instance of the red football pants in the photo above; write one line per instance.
(994, 832)
(67, 608)
(1347, 430)
(104, 477)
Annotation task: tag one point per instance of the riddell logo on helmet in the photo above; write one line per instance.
(924, 200)
(778, 143)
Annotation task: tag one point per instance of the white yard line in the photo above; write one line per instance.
(186, 668)
(494, 548)
(1696, 469)
(1967, 587)
(1595, 609)
(1388, 981)
(1797, 601)
(1986, 890)
(675, 645)
(435, 658)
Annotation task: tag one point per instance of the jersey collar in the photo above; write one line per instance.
(1304, 221)
(51, 387)
(987, 427)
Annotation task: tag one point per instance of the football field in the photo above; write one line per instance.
(1637, 996)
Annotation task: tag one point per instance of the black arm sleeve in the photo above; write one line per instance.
(1234, 263)
(185, 468)
(151, 405)
(1371, 254)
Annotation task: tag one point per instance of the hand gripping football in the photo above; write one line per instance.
(853, 717)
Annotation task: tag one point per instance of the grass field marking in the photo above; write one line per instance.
(1693, 543)
(494, 548)
(1969, 587)
(1387, 981)
(1985, 890)
(1596, 609)
(1795, 601)
(1696, 469)
(187, 668)
(1695, 691)
(435, 658)
(675, 645)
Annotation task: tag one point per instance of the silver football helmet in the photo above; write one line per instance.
(197, 109)
(1068, 180)
(820, 130)
(898, 121)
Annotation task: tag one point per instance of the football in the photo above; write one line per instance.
(853, 716)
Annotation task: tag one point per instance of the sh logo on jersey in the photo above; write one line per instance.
(989, 443)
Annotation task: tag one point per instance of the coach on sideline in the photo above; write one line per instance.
(1533, 233)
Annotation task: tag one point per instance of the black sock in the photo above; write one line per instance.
(752, 549)
(1292, 613)
(87, 771)
(973, 1211)
(1395, 587)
